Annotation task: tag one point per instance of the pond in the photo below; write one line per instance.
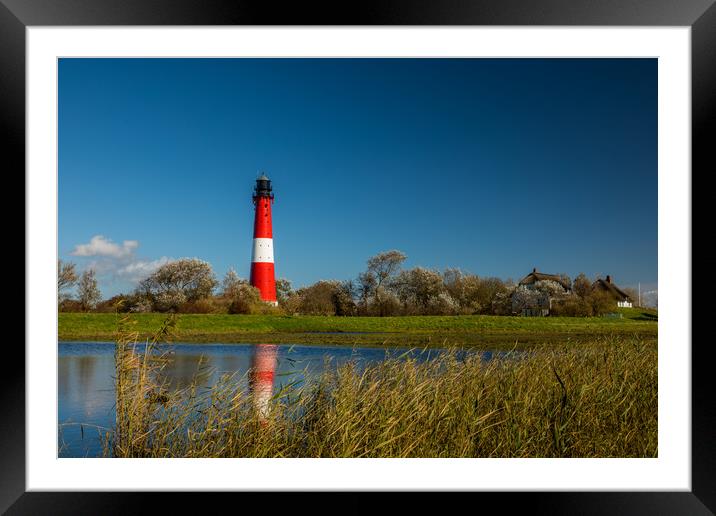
(86, 377)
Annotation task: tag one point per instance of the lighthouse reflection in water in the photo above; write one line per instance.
(261, 376)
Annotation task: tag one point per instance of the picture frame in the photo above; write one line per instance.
(16, 16)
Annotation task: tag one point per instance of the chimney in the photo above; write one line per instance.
(609, 278)
(534, 269)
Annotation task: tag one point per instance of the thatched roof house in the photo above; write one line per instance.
(534, 276)
(531, 299)
(606, 285)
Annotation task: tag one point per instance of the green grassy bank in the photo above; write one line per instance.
(415, 330)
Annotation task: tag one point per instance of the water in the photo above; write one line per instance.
(86, 378)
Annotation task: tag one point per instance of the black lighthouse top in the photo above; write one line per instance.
(263, 187)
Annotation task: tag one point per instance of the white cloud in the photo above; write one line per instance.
(101, 246)
(140, 269)
(117, 266)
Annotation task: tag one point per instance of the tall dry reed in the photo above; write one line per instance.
(597, 400)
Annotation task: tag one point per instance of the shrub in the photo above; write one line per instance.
(111, 305)
(203, 306)
(246, 300)
(572, 306)
(322, 298)
(70, 305)
(601, 302)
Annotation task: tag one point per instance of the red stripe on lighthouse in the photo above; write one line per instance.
(262, 218)
(262, 277)
(262, 267)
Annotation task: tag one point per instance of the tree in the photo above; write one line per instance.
(477, 295)
(454, 281)
(565, 281)
(472, 293)
(325, 298)
(601, 302)
(382, 267)
(482, 292)
(501, 304)
(344, 298)
(174, 283)
(582, 286)
(366, 288)
(284, 290)
(525, 298)
(572, 306)
(66, 278)
(418, 289)
(552, 289)
(540, 295)
(319, 298)
(88, 291)
(230, 284)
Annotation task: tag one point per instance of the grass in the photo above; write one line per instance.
(414, 330)
(597, 401)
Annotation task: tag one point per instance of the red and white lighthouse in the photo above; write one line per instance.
(262, 268)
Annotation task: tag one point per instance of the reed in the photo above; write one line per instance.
(592, 401)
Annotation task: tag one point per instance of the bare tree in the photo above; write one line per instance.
(88, 291)
(66, 278)
(231, 283)
(582, 286)
(565, 281)
(382, 267)
(366, 288)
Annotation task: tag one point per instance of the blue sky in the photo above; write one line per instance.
(494, 166)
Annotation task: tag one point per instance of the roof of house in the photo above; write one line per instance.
(535, 276)
(609, 287)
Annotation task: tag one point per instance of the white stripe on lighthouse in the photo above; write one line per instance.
(263, 250)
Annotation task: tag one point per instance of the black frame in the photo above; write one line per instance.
(700, 15)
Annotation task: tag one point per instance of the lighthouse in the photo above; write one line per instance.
(262, 269)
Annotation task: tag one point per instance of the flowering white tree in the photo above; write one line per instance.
(550, 288)
(176, 282)
(443, 304)
(418, 287)
(525, 297)
(538, 295)
(501, 303)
